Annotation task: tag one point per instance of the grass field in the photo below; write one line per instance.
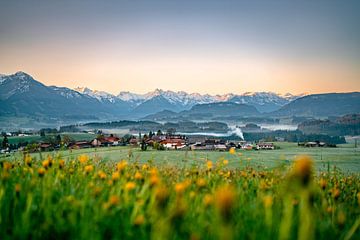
(345, 157)
(93, 194)
(37, 138)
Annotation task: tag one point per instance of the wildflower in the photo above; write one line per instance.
(180, 188)
(225, 162)
(17, 188)
(201, 182)
(208, 200)
(121, 165)
(232, 150)
(7, 165)
(139, 220)
(303, 168)
(88, 168)
(161, 196)
(130, 186)
(61, 163)
(267, 201)
(145, 167)
(101, 174)
(154, 180)
(115, 176)
(41, 171)
(83, 158)
(46, 163)
(322, 183)
(341, 218)
(209, 164)
(192, 195)
(225, 200)
(28, 160)
(335, 193)
(138, 176)
(114, 200)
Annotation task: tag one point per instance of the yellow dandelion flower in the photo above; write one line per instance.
(114, 200)
(154, 180)
(138, 176)
(17, 188)
(161, 196)
(208, 200)
(225, 162)
(335, 193)
(130, 186)
(45, 163)
(89, 168)
(115, 176)
(61, 163)
(83, 158)
(102, 175)
(139, 220)
(7, 165)
(209, 164)
(225, 200)
(145, 167)
(201, 182)
(322, 183)
(232, 150)
(303, 168)
(28, 160)
(267, 201)
(121, 165)
(41, 171)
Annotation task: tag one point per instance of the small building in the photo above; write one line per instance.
(80, 145)
(247, 146)
(265, 146)
(173, 143)
(46, 147)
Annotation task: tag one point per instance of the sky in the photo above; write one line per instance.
(213, 47)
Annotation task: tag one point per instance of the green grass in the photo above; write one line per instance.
(37, 138)
(344, 157)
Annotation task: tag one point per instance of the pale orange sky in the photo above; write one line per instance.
(206, 47)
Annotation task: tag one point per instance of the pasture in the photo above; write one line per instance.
(345, 157)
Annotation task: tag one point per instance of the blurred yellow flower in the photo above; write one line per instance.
(225, 162)
(208, 200)
(45, 163)
(61, 163)
(41, 171)
(232, 150)
(138, 176)
(88, 168)
(83, 158)
(225, 200)
(201, 182)
(322, 183)
(267, 201)
(209, 164)
(115, 176)
(102, 174)
(114, 200)
(303, 168)
(17, 188)
(139, 220)
(130, 186)
(121, 165)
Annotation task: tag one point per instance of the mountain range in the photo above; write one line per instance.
(22, 95)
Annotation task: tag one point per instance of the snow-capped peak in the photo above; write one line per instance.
(99, 95)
